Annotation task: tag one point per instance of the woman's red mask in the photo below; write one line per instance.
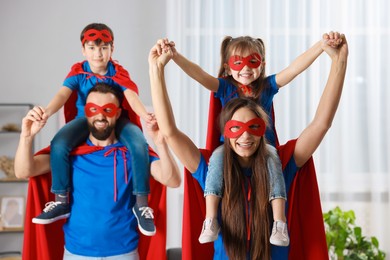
(93, 35)
(252, 61)
(233, 128)
(108, 110)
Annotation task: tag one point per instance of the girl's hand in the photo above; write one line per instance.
(160, 54)
(332, 39)
(341, 51)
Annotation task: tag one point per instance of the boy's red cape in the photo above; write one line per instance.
(46, 242)
(121, 77)
(304, 213)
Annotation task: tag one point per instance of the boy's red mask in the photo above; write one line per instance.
(108, 110)
(93, 35)
(255, 126)
(252, 61)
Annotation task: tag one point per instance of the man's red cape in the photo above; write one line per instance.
(46, 242)
(304, 213)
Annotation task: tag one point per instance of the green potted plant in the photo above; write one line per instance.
(345, 240)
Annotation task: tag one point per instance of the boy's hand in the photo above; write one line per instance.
(153, 131)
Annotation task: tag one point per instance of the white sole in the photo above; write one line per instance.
(143, 231)
(49, 221)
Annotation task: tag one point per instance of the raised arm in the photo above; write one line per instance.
(303, 61)
(26, 164)
(164, 170)
(191, 69)
(313, 134)
(180, 144)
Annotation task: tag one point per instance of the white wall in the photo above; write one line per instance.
(40, 42)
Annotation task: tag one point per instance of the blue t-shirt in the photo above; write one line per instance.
(82, 83)
(98, 225)
(277, 253)
(227, 91)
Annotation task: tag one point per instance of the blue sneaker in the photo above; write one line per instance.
(145, 218)
(52, 212)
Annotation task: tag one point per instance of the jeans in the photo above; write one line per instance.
(214, 178)
(275, 175)
(133, 255)
(132, 137)
(76, 131)
(71, 135)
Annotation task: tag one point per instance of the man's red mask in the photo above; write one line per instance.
(108, 110)
(234, 128)
(93, 35)
(252, 61)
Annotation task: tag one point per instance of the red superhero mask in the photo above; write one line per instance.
(252, 61)
(233, 128)
(93, 35)
(108, 110)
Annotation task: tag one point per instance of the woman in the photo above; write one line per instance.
(244, 210)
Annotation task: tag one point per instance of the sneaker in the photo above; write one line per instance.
(52, 212)
(145, 218)
(210, 230)
(279, 236)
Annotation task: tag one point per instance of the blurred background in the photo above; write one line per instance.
(40, 42)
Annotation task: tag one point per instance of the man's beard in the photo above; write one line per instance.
(101, 134)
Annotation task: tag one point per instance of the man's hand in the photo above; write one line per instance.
(33, 122)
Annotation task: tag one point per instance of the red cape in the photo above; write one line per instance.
(46, 242)
(304, 213)
(121, 77)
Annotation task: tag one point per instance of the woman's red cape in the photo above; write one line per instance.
(304, 213)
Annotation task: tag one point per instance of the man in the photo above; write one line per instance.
(102, 223)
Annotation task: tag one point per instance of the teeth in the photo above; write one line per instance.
(244, 144)
(100, 124)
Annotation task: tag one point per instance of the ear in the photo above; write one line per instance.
(227, 69)
(83, 50)
(118, 113)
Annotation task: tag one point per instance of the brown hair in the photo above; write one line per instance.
(241, 44)
(234, 231)
(99, 27)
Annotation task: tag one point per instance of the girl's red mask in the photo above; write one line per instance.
(255, 126)
(108, 110)
(252, 61)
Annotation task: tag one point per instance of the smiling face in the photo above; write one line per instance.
(97, 55)
(102, 112)
(246, 144)
(250, 69)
